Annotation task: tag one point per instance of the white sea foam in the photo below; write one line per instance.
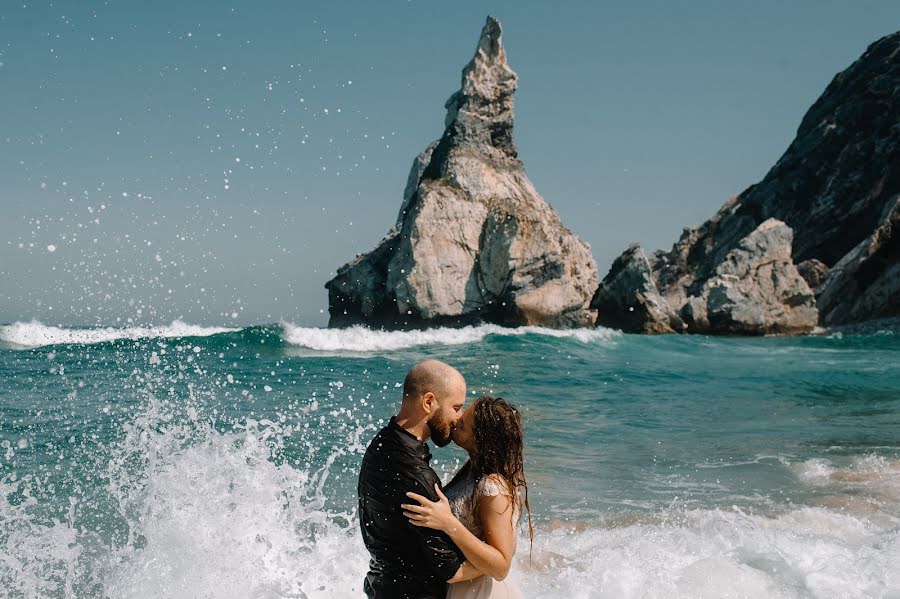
(208, 514)
(816, 471)
(211, 515)
(871, 481)
(361, 339)
(808, 552)
(36, 334)
(859, 469)
(219, 519)
(39, 558)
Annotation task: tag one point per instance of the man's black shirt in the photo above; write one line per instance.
(408, 562)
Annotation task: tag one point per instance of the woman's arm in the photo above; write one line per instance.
(493, 556)
(466, 572)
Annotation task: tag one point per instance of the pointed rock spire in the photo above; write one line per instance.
(474, 241)
(482, 110)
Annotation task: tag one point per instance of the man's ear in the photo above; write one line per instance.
(429, 402)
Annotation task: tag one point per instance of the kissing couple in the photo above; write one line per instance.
(429, 542)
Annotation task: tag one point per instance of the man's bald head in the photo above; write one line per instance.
(431, 376)
(433, 394)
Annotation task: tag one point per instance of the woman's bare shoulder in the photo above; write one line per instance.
(493, 485)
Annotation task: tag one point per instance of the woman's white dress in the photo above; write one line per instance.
(463, 495)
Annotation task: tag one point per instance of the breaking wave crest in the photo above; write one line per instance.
(361, 339)
(207, 514)
(36, 334)
(357, 339)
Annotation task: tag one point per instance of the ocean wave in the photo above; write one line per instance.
(262, 531)
(869, 484)
(36, 334)
(815, 471)
(361, 339)
(874, 471)
(357, 339)
(806, 552)
(265, 528)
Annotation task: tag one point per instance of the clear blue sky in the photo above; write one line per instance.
(203, 159)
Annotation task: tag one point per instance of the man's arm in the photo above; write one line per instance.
(445, 558)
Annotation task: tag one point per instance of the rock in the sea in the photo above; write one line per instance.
(756, 289)
(474, 241)
(627, 298)
(834, 188)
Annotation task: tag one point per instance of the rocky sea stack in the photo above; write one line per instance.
(816, 242)
(474, 241)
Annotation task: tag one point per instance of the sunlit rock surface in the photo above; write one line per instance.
(755, 290)
(836, 188)
(629, 300)
(474, 240)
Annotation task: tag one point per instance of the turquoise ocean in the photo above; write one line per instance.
(197, 462)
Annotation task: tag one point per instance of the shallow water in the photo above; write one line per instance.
(181, 461)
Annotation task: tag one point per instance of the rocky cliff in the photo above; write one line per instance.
(828, 206)
(474, 241)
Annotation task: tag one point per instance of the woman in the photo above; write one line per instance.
(483, 501)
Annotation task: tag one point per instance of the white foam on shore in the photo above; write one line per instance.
(815, 471)
(36, 334)
(870, 479)
(807, 552)
(361, 339)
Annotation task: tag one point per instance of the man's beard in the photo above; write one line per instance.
(441, 430)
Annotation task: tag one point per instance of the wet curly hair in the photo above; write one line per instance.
(499, 445)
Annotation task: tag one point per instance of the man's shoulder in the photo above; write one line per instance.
(383, 449)
(391, 439)
(385, 439)
(388, 456)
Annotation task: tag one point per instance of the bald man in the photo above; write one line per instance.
(410, 562)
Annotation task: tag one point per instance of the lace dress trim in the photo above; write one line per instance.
(464, 494)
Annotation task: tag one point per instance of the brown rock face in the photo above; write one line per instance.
(474, 241)
(834, 188)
